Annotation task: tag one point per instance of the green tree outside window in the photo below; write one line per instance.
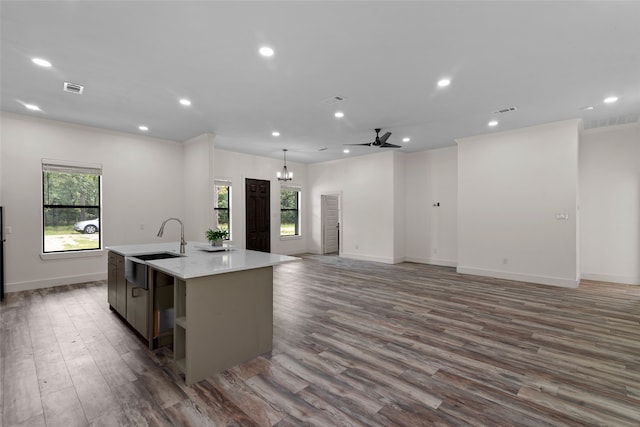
(222, 208)
(289, 212)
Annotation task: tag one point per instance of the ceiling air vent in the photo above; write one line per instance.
(505, 110)
(334, 99)
(73, 88)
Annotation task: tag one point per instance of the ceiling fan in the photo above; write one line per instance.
(380, 141)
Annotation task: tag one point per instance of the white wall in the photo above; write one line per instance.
(198, 164)
(236, 167)
(142, 185)
(610, 204)
(399, 215)
(431, 231)
(366, 184)
(511, 185)
(1, 202)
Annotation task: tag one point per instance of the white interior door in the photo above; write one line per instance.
(330, 224)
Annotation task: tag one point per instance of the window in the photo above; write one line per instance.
(222, 206)
(70, 207)
(289, 211)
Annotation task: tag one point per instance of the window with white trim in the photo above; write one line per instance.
(222, 206)
(71, 206)
(289, 211)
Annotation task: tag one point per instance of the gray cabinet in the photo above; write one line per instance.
(116, 284)
(138, 309)
(222, 320)
(143, 309)
(129, 301)
(112, 273)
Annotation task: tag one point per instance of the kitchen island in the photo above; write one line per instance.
(222, 302)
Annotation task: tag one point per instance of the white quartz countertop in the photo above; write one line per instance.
(199, 263)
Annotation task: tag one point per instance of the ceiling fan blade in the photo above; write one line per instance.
(387, 145)
(368, 144)
(384, 137)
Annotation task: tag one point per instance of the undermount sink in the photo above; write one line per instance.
(157, 255)
(135, 267)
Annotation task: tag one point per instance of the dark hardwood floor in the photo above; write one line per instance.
(355, 343)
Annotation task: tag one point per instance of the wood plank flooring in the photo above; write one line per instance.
(355, 344)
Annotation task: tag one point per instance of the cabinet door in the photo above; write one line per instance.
(137, 312)
(141, 322)
(131, 306)
(112, 272)
(121, 288)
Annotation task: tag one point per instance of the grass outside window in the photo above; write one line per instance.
(287, 230)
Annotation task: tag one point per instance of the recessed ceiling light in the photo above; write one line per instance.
(493, 123)
(41, 62)
(143, 128)
(185, 102)
(32, 107)
(587, 108)
(444, 83)
(406, 139)
(266, 51)
(346, 151)
(338, 114)
(610, 100)
(275, 133)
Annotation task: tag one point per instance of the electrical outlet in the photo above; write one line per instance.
(505, 261)
(356, 246)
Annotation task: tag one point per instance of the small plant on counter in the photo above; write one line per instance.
(216, 236)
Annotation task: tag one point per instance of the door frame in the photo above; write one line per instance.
(322, 221)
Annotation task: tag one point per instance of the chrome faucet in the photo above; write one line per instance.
(182, 242)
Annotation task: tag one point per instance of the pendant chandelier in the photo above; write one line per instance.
(285, 175)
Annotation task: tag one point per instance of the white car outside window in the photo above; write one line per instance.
(89, 227)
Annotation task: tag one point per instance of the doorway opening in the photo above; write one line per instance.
(330, 219)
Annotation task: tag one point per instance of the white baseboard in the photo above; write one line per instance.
(398, 260)
(553, 281)
(368, 258)
(543, 280)
(625, 280)
(56, 281)
(432, 261)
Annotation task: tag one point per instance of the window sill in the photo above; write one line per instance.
(298, 237)
(70, 254)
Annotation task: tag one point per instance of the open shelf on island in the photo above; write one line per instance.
(181, 365)
(181, 321)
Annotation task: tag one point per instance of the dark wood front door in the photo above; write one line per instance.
(258, 216)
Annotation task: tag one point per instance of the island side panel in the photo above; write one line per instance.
(229, 320)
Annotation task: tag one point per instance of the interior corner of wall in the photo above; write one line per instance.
(202, 138)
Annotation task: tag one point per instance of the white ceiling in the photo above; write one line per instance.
(137, 58)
